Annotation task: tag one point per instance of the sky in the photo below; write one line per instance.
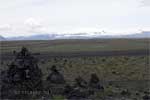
(31, 17)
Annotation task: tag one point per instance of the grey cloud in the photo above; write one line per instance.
(5, 27)
(40, 2)
(145, 3)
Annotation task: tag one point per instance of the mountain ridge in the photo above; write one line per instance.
(143, 34)
(2, 38)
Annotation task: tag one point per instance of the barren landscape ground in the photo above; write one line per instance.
(119, 63)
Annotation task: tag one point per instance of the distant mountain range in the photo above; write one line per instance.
(33, 37)
(2, 38)
(144, 34)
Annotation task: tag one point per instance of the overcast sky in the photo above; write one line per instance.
(28, 17)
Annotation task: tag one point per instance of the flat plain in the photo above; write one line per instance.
(122, 62)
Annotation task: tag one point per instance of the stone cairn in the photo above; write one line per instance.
(55, 76)
(22, 77)
(56, 82)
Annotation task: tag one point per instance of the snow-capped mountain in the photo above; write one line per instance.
(91, 35)
(2, 38)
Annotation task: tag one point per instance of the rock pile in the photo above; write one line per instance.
(55, 76)
(23, 75)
